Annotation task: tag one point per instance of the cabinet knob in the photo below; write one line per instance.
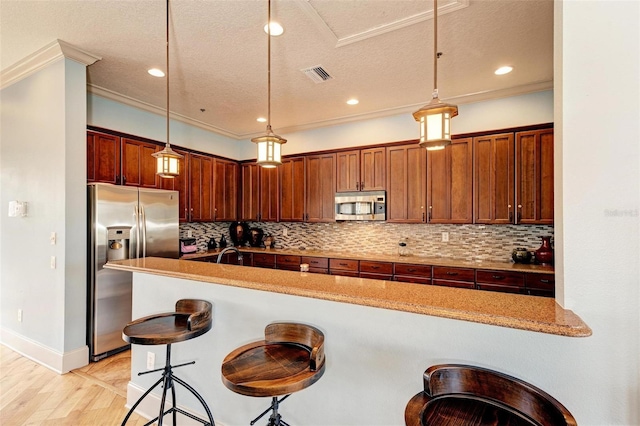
(519, 206)
(361, 186)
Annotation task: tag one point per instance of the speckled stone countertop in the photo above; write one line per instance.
(541, 314)
(497, 266)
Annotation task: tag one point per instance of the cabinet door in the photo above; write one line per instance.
(180, 184)
(201, 191)
(269, 195)
(493, 178)
(138, 164)
(372, 169)
(406, 183)
(225, 180)
(534, 177)
(250, 194)
(292, 189)
(348, 171)
(321, 188)
(103, 158)
(450, 183)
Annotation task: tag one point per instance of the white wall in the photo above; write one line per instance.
(533, 108)
(43, 157)
(105, 113)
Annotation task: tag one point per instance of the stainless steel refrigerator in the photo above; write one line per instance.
(124, 223)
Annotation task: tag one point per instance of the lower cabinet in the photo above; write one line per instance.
(344, 267)
(540, 284)
(264, 260)
(288, 262)
(412, 273)
(376, 270)
(502, 281)
(454, 277)
(318, 265)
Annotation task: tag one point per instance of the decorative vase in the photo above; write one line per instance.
(521, 255)
(544, 255)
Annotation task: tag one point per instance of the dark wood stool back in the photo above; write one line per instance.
(301, 334)
(470, 395)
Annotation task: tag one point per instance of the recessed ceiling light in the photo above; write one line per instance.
(261, 120)
(156, 72)
(353, 102)
(276, 29)
(503, 70)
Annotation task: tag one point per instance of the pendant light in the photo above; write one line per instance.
(168, 161)
(269, 144)
(435, 117)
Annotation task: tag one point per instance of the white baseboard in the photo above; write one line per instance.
(57, 361)
(150, 406)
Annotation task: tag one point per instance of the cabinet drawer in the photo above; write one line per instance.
(373, 276)
(412, 279)
(287, 261)
(319, 270)
(501, 288)
(343, 265)
(540, 281)
(315, 262)
(412, 269)
(454, 274)
(515, 279)
(452, 283)
(376, 267)
(264, 260)
(344, 273)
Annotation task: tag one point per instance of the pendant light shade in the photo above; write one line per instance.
(269, 144)
(167, 160)
(435, 117)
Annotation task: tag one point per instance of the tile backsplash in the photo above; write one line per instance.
(466, 242)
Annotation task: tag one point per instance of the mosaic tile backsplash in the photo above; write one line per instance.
(466, 242)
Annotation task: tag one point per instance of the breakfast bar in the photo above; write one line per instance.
(380, 336)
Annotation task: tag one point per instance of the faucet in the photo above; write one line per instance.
(226, 250)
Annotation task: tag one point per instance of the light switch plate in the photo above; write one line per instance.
(52, 238)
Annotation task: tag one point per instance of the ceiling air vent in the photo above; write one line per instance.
(317, 74)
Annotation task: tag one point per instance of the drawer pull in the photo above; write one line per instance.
(411, 270)
(497, 277)
(314, 262)
(545, 281)
(342, 264)
(375, 267)
(452, 273)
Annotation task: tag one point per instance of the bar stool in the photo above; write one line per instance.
(466, 395)
(289, 359)
(191, 319)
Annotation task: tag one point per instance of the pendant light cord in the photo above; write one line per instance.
(435, 49)
(269, 68)
(168, 73)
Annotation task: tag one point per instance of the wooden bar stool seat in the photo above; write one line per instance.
(191, 319)
(465, 395)
(289, 359)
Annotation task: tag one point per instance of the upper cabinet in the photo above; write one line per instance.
(320, 187)
(138, 164)
(361, 170)
(534, 177)
(494, 179)
(103, 158)
(450, 183)
(292, 189)
(259, 193)
(406, 183)
(225, 194)
(201, 188)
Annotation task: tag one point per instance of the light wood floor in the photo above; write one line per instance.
(31, 394)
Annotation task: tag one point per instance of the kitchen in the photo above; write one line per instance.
(594, 284)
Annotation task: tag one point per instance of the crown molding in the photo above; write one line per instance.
(42, 58)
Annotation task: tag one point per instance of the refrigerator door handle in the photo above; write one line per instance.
(136, 218)
(143, 226)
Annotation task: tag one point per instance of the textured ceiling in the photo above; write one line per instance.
(379, 51)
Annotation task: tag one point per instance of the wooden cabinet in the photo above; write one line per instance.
(454, 277)
(494, 179)
(292, 189)
(450, 183)
(225, 181)
(376, 270)
(318, 265)
(103, 158)
(201, 188)
(534, 177)
(259, 193)
(412, 273)
(540, 284)
(320, 187)
(502, 281)
(361, 170)
(138, 164)
(406, 184)
(264, 260)
(344, 267)
(288, 262)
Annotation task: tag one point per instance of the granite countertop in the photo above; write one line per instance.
(540, 314)
(457, 263)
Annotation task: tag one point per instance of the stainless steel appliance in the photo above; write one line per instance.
(363, 205)
(124, 223)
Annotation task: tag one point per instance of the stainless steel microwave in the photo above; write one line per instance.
(363, 205)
